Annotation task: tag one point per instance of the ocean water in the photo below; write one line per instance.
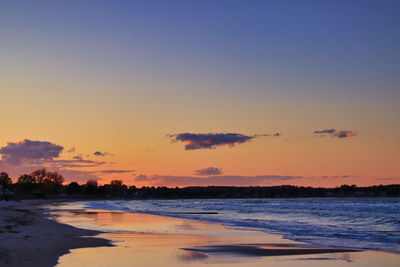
(364, 223)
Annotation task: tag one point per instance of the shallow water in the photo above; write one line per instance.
(365, 223)
(151, 240)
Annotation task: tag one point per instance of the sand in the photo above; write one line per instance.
(29, 238)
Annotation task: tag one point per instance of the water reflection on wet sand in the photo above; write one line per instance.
(150, 240)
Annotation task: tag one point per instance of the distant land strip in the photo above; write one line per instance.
(73, 190)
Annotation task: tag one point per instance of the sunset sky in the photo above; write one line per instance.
(182, 93)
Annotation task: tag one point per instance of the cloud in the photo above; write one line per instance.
(26, 156)
(338, 134)
(41, 153)
(76, 162)
(28, 150)
(388, 179)
(225, 180)
(114, 171)
(208, 171)
(71, 150)
(327, 131)
(141, 178)
(344, 134)
(101, 154)
(78, 157)
(211, 140)
(337, 176)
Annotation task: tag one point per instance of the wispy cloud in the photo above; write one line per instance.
(327, 131)
(114, 171)
(141, 178)
(338, 134)
(212, 140)
(78, 157)
(100, 154)
(71, 150)
(395, 179)
(336, 176)
(208, 171)
(344, 134)
(225, 180)
(75, 163)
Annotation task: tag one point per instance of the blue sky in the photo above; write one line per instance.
(124, 74)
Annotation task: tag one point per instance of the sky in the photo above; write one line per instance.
(182, 93)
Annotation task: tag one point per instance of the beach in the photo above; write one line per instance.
(29, 238)
(200, 133)
(43, 233)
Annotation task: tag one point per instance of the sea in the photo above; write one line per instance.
(363, 223)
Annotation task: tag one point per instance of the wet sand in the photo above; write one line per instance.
(29, 238)
(150, 240)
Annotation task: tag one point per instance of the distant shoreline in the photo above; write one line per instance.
(74, 191)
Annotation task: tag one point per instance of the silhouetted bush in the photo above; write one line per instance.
(91, 187)
(73, 189)
(5, 180)
(27, 183)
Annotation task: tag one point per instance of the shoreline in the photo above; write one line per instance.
(32, 229)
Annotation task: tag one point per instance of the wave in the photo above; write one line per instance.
(363, 223)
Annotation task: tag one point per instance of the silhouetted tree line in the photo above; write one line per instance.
(42, 183)
(38, 183)
(284, 191)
